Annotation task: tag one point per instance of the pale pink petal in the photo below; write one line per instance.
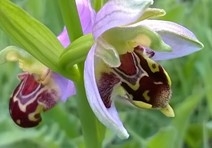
(63, 38)
(118, 13)
(86, 15)
(181, 40)
(108, 116)
(66, 87)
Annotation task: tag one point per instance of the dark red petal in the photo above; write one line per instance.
(128, 64)
(30, 84)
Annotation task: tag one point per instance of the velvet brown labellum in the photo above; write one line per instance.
(143, 79)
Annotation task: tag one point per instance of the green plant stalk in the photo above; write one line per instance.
(93, 131)
(71, 18)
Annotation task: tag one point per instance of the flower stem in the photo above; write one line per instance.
(93, 130)
(71, 18)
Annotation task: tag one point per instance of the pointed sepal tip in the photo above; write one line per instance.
(168, 111)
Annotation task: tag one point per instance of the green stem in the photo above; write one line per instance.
(93, 130)
(71, 18)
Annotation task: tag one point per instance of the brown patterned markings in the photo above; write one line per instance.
(105, 85)
(129, 70)
(154, 87)
(29, 99)
(158, 94)
(141, 77)
(128, 65)
(22, 118)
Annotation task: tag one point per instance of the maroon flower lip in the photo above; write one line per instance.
(29, 99)
(143, 80)
(39, 89)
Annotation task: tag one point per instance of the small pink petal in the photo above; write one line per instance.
(64, 38)
(86, 16)
(66, 87)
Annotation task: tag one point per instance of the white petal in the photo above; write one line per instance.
(108, 116)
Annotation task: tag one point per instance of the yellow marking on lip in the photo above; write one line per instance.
(23, 107)
(31, 116)
(168, 78)
(137, 84)
(141, 104)
(141, 39)
(145, 95)
(154, 67)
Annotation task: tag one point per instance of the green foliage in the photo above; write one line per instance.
(30, 34)
(192, 93)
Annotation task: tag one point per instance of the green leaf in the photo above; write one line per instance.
(183, 113)
(194, 136)
(18, 135)
(205, 73)
(172, 136)
(30, 34)
(65, 120)
(164, 138)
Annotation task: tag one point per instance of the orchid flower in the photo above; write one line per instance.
(123, 62)
(39, 88)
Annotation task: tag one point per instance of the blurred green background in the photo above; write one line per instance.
(191, 83)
